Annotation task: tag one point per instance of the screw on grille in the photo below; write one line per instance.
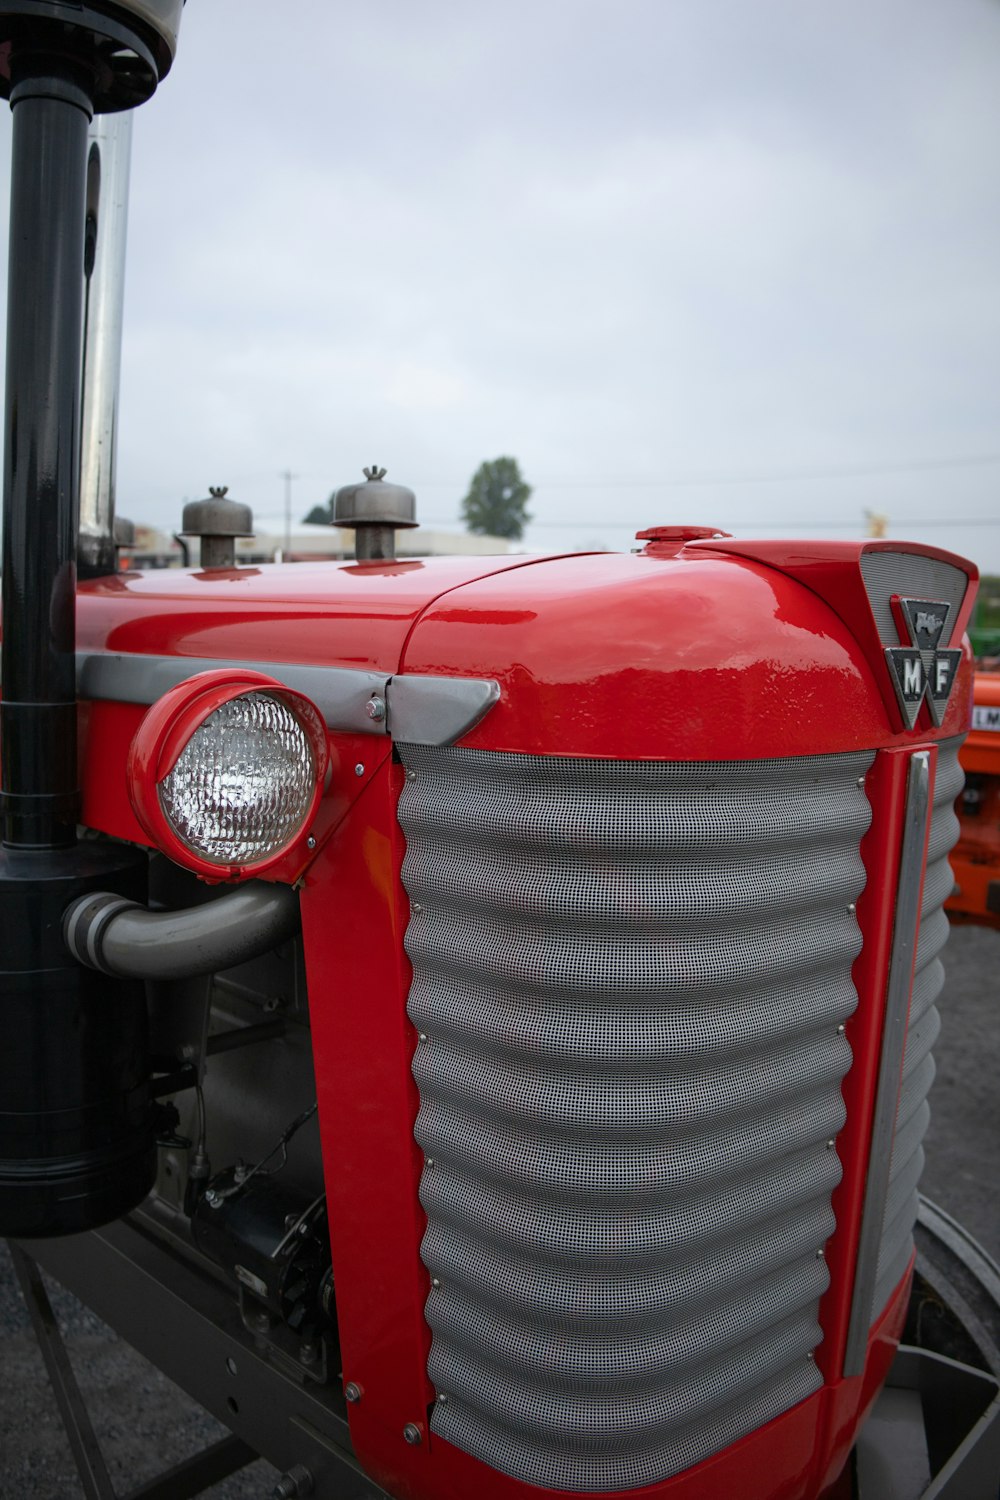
(412, 1434)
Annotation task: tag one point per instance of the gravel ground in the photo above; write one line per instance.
(145, 1423)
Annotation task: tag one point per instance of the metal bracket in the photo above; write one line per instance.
(183, 1480)
(417, 708)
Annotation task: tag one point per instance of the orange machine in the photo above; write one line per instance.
(976, 857)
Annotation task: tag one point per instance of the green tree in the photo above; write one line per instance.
(321, 515)
(495, 504)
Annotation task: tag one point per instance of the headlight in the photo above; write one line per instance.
(226, 770)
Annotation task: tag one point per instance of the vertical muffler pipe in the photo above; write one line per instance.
(77, 1143)
(109, 146)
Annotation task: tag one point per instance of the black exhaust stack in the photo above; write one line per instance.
(77, 1144)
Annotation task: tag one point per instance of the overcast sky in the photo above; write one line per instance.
(731, 262)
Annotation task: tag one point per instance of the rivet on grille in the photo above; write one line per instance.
(422, 1036)
(442, 1399)
(811, 1356)
(861, 781)
(851, 907)
(820, 1254)
(436, 1283)
(411, 775)
(841, 1029)
(416, 908)
(428, 1161)
(830, 1144)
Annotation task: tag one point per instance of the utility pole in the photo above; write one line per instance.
(288, 476)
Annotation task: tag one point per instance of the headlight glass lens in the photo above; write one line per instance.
(243, 785)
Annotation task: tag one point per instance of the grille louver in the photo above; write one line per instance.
(630, 977)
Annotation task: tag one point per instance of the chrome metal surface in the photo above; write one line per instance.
(897, 1004)
(109, 147)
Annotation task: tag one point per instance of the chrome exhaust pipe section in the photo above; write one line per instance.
(109, 149)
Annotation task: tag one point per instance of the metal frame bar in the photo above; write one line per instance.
(160, 1300)
(184, 1480)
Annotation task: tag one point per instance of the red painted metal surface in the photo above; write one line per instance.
(343, 614)
(715, 651)
(832, 571)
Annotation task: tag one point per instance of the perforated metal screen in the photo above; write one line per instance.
(629, 979)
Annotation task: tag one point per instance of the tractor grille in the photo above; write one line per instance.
(628, 980)
(913, 1113)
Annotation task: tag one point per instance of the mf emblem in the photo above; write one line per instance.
(924, 669)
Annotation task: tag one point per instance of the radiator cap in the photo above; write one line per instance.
(667, 541)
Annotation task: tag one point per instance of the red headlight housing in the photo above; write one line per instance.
(225, 773)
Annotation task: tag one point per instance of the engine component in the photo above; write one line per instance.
(377, 511)
(218, 521)
(77, 1128)
(269, 1241)
(226, 771)
(117, 936)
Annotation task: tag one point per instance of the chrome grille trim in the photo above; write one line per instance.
(630, 977)
(906, 1162)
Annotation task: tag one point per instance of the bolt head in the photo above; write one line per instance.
(359, 769)
(412, 1434)
(310, 842)
(375, 708)
(352, 1391)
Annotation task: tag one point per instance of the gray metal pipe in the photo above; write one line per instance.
(106, 932)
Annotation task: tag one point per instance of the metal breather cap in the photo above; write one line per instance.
(125, 47)
(217, 516)
(374, 503)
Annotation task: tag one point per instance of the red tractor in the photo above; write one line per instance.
(469, 1021)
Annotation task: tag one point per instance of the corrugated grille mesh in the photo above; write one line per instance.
(913, 1114)
(629, 978)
